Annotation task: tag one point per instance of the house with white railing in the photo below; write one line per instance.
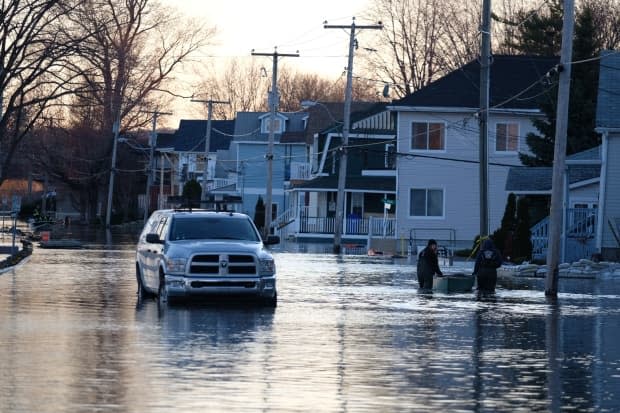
(438, 145)
(581, 200)
(591, 212)
(369, 185)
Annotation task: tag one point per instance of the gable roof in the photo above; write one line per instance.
(582, 166)
(592, 154)
(516, 82)
(190, 137)
(608, 102)
(248, 127)
(165, 140)
(330, 115)
(526, 179)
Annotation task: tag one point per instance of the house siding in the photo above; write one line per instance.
(612, 191)
(457, 173)
(253, 180)
(584, 194)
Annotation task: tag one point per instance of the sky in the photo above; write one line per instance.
(292, 26)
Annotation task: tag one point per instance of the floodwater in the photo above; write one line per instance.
(350, 334)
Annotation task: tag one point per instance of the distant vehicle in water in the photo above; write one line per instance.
(199, 253)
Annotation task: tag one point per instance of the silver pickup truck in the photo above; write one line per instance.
(198, 253)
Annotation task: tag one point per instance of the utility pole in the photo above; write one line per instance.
(205, 172)
(151, 170)
(115, 129)
(160, 200)
(485, 74)
(342, 172)
(274, 100)
(559, 154)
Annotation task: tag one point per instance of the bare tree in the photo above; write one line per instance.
(128, 54)
(460, 40)
(297, 86)
(243, 83)
(246, 87)
(407, 50)
(606, 15)
(131, 54)
(34, 68)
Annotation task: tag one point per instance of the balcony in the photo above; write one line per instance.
(300, 171)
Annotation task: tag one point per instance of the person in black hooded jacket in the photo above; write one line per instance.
(428, 265)
(488, 261)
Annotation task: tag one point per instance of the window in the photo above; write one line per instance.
(426, 203)
(277, 124)
(428, 136)
(506, 137)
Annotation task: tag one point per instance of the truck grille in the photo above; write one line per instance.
(223, 264)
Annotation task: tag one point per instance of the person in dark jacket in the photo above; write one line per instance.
(428, 265)
(488, 261)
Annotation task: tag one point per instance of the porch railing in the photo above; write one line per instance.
(540, 238)
(301, 171)
(581, 226)
(352, 226)
(220, 183)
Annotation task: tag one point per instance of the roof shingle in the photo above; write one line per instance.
(517, 82)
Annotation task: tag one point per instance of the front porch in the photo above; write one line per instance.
(577, 242)
(302, 224)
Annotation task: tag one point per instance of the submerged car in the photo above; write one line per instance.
(199, 253)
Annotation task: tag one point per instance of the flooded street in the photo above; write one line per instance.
(350, 334)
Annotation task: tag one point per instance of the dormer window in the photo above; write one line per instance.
(279, 123)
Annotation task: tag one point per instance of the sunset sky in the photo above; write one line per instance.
(291, 26)
(294, 27)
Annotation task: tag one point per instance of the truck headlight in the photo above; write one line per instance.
(266, 267)
(176, 265)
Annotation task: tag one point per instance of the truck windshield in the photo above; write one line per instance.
(212, 228)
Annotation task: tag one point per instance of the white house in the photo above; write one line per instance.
(608, 124)
(438, 177)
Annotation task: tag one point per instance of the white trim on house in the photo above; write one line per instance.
(601, 195)
(374, 172)
(584, 183)
(266, 119)
(548, 192)
(604, 130)
(446, 109)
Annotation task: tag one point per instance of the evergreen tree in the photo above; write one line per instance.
(192, 192)
(259, 214)
(522, 243)
(502, 237)
(540, 34)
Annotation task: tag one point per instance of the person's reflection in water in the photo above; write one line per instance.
(485, 302)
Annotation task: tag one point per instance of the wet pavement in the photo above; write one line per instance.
(350, 334)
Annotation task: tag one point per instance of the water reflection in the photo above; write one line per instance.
(350, 334)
